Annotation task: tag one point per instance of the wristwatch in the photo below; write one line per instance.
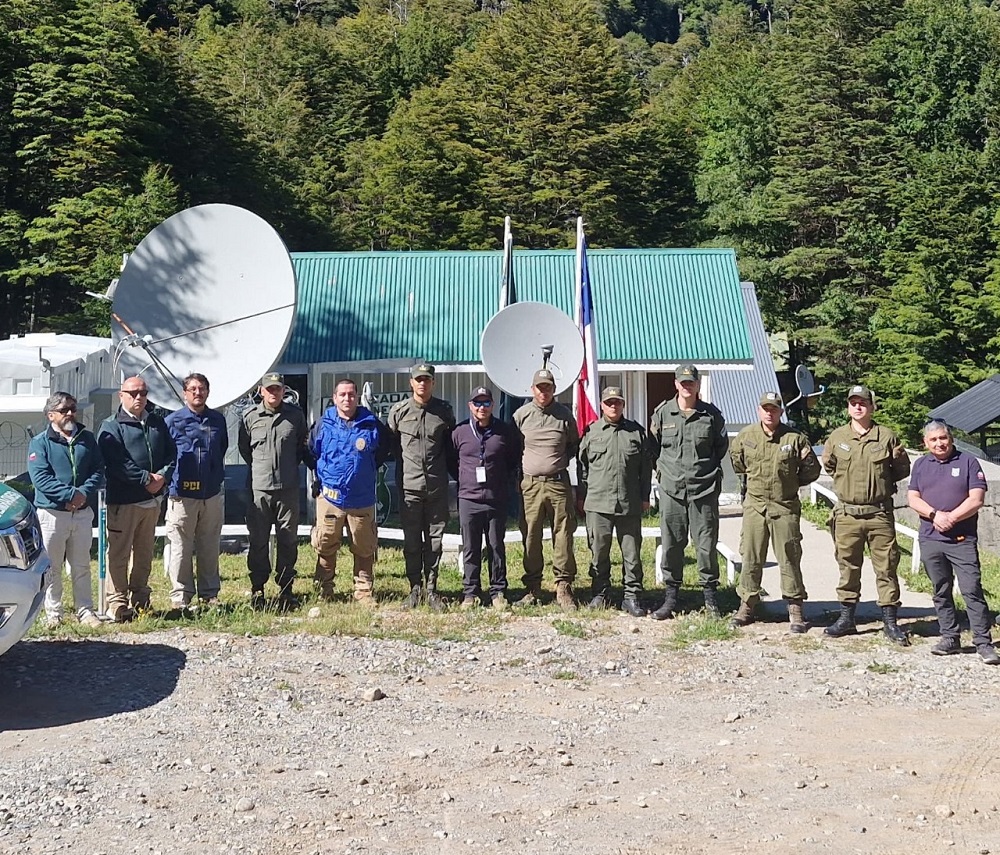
(931, 515)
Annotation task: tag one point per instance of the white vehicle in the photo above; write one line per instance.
(23, 565)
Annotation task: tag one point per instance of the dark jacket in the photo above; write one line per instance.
(59, 467)
(615, 471)
(498, 449)
(273, 443)
(689, 448)
(132, 451)
(202, 442)
(348, 454)
(421, 442)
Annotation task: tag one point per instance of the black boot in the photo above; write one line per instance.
(844, 624)
(892, 630)
(711, 604)
(666, 611)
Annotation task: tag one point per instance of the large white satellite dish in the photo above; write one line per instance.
(210, 290)
(524, 337)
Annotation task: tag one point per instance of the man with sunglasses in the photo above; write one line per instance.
(487, 452)
(67, 470)
(140, 455)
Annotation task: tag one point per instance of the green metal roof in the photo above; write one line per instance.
(651, 305)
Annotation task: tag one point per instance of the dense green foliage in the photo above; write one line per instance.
(847, 150)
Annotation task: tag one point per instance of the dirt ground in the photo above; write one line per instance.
(530, 740)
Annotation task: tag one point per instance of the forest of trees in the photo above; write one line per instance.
(847, 149)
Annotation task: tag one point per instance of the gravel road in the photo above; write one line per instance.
(535, 741)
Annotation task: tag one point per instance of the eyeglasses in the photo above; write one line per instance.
(64, 411)
(482, 403)
(136, 393)
(197, 390)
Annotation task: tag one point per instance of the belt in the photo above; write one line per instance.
(561, 476)
(862, 511)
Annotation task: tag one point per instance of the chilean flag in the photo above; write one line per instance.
(586, 393)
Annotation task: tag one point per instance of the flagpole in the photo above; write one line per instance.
(578, 312)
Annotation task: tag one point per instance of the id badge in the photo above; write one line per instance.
(480, 474)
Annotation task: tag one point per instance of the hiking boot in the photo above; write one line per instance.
(500, 603)
(631, 606)
(416, 597)
(745, 613)
(711, 604)
(366, 599)
(123, 614)
(989, 654)
(844, 625)
(599, 602)
(257, 601)
(89, 619)
(435, 601)
(532, 597)
(288, 602)
(796, 620)
(564, 597)
(947, 646)
(666, 611)
(469, 603)
(891, 628)
(326, 593)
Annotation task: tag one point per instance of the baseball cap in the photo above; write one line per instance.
(422, 369)
(688, 372)
(480, 392)
(860, 391)
(771, 399)
(543, 375)
(272, 379)
(612, 393)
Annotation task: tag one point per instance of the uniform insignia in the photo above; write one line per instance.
(955, 471)
(359, 443)
(671, 425)
(981, 476)
(806, 451)
(32, 456)
(749, 443)
(845, 446)
(786, 448)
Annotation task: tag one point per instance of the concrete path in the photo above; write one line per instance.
(821, 575)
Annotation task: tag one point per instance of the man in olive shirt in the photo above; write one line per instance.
(866, 460)
(549, 440)
(614, 475)
(273, 441)
(421, 429)
(776, 461)
(690, 436)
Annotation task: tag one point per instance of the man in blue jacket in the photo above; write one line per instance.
(139, 453)
(67, 470)
(194, 506)
(487, 456)
(349, 444)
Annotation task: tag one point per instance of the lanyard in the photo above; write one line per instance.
(482, 440)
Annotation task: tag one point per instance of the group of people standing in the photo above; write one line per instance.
(146, 457)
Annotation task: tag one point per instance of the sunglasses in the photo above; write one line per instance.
(482, 403)
(136, 393)
(64, 411)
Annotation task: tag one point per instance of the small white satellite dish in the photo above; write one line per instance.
(806, 384)
(524, 337)
(210, 290)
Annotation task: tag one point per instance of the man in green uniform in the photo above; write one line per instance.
(776, 461)
(614, 475)
(866, 460)
(421, 429)
(549, 440)
(690, 436)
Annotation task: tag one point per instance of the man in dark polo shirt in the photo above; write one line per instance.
(947, 489)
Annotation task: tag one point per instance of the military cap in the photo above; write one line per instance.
(771, 399)
(860, 391)
(612, 393)
(688, 372)
(481, 392)
(543, 375)
(273, 379)
(422, 369)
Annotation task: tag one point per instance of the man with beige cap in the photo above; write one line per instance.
(776, 460)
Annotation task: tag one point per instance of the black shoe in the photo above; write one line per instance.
(599, 602)
(631, 606)
(435, 602)
(711, 604)
(892, 629)
(416, 597)
(989, 654)
(666, 611)
(257, 601)
(844, 625)
(123, 614)
(288, 602)
(947, 646)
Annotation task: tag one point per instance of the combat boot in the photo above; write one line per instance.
(711, 604)
(796, 620)
(666, 611)
(416, 597)
(844, 624)
(745, 614)
(435, 601)
(892, 630)
(564, 597)
(532, 597)
(632, 606)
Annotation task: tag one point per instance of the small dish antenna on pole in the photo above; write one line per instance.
(524, 337)
(212, 290)
(806, 384)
